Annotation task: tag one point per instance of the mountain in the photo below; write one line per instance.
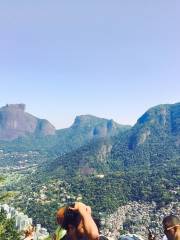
(139, 164)
(97, 127)
(85, 129)
(95, 144)
(160, 120)
(154, 141)
(20, 131)
(15, 122)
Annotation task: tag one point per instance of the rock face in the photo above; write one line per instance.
(159, 120)
(97, 127)
(15, 122)
(153, 140)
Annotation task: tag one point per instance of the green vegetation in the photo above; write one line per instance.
(115, 189)
(7, 228)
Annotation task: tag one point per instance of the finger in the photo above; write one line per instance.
(88, 209)
(73, 208)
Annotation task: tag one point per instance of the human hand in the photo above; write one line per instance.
(81, 208)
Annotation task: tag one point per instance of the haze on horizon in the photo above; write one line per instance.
(109, 59)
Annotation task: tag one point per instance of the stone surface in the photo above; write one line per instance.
(15, 122)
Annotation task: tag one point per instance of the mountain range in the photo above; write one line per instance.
(93, 143)
(153, 142)
(21, 131)
(142, 163)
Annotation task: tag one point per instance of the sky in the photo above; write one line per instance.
(112, 59)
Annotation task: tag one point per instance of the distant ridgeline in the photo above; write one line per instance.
(21, 131)
(94, 143)
(153, 142)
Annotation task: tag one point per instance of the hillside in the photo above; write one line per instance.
(89, 159)
(152, 142)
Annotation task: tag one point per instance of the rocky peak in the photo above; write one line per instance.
(162, 120)
(14, 107)
(97, 127)
(155, 115)
(15, 122)
(83, 120)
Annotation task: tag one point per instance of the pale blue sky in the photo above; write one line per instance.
(113, 59)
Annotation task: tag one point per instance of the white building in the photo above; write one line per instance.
(22, 222)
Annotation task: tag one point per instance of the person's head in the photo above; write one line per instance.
(70, 221)
(171, 225)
